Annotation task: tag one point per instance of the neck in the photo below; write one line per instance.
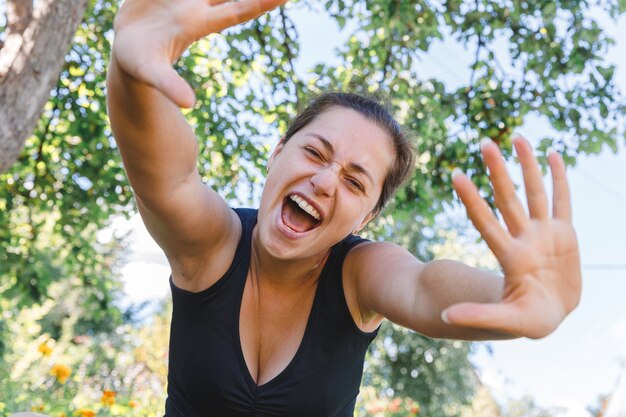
(285, 273)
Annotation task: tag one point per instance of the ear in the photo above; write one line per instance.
(279, 147)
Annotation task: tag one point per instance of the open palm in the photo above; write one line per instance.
(150, 35)
(538, 253)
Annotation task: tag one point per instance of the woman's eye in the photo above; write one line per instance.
(355, 184)
(313, 152)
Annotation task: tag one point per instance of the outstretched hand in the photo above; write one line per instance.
(150, 35)
(538, 253)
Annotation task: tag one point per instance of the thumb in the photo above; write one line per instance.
(501, 318)
(165, 79)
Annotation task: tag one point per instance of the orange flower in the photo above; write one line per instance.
(85, 413)
(37, 407)
(108, 398)
(133, 403)
(60, 372)
(44, 349)
(395, 405)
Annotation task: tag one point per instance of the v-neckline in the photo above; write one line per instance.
(239, 348)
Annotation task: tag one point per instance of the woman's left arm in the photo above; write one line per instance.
(538, 254)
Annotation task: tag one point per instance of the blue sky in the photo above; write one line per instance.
(582, 359)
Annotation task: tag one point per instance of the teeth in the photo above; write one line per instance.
(305, 206)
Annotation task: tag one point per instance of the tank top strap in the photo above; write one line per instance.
(331, 286)
(238, 267)
(248, 218)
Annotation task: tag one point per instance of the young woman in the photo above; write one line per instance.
(274, 309)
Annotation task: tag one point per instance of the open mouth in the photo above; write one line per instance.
(298, 215)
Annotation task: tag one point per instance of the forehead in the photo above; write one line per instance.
(354, 139)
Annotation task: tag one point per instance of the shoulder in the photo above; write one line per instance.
(370, 271)
(376, 263)
(370, 258)
(198, 272)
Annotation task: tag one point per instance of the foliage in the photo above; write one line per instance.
(435, 373)
(119, 373)
(70, 173)
(64, 188)
(372, 405)
(552, 66)
(527, 407)
(69, 181)
(482, 405)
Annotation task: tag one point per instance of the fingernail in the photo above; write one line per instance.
(456, 172)
(485, 141)
(444, 316)
(550, 151)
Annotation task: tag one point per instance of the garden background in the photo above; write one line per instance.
(72, 341)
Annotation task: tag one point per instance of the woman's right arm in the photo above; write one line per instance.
(190, 221)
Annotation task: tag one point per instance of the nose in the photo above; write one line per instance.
(324, 181)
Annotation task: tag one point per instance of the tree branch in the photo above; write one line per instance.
(30, 62)
(264, 47)
(387, 63)
(290, 55)
(19, 15)
(470, 87)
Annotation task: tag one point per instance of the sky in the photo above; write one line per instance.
(583, 358)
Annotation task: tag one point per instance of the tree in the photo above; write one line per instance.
(37, 37)
(435, 373)
(527, 407)
(49, 210)
(68, 181)
(598, 408)
(248, 88)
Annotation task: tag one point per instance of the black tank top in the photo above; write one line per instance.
(208, 375)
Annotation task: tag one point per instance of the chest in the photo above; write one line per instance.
(272, 325)
(234, 353)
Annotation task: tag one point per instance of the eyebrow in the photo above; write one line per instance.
(330, 148)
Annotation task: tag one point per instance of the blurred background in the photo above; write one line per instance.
(84, 296)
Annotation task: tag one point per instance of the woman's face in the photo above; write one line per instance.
(323, 183)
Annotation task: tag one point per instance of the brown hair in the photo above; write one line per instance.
(373, 109)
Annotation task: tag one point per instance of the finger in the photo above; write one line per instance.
(561, 204)
(533, 180)
(506, 199)
(229, 14)
(481, 215)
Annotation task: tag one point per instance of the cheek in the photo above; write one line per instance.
(356, 207)
(270, 189)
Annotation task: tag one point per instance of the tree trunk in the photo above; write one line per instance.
(30, 62)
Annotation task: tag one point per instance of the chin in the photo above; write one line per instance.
(284, 251)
